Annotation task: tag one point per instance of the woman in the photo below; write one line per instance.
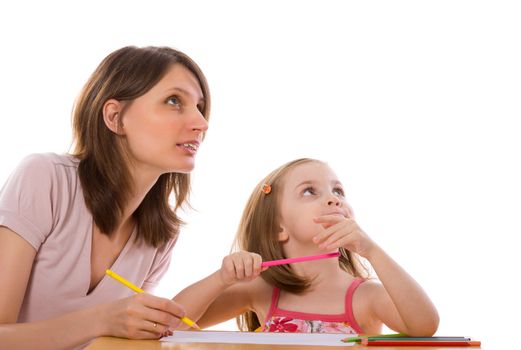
(65, 219)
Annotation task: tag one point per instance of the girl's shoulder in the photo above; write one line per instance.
(258, 292)
(369, 287)
(363, 303)
(261, 293)
(261, 288)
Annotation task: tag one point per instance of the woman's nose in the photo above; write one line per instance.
(199, 122)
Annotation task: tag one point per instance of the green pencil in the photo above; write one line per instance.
(360, 337)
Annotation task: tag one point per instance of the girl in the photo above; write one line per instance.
(65, 219)
(300, 209)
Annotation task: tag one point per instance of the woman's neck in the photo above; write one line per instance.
(142, 183)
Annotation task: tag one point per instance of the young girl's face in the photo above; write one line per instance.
(164, 127)
(309, 190)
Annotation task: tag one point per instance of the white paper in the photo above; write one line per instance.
(327, 339)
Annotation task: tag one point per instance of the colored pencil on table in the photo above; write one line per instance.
(426, 342)
(383, 336)
(404, 340)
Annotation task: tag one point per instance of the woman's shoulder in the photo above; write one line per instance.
(41, 169)
(47, 161)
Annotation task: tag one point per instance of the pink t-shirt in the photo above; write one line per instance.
(42, 201)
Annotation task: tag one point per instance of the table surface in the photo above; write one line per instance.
(106, 343)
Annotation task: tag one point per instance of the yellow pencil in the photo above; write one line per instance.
(136, 289)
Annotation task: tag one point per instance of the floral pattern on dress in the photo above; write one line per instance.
(282, 324)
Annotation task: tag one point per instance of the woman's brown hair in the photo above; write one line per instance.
(125, 75)
(258, 231)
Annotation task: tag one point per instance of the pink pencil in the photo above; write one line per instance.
(301, 259)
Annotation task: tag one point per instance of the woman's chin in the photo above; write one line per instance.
(182, 168)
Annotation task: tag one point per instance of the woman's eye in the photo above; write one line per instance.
(173, 101)
(309, 191)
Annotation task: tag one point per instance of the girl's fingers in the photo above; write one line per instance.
(328, 219)
(229, 266)
(323, 235)
(335, 236)
(345, 225)
(340, 241)
(241, 266)
(238, 264)
(328, 222)
(257, 261)
(248, 266)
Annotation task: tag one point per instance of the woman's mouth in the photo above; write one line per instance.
(190, 147)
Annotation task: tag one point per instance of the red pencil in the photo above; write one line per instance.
(394, 342)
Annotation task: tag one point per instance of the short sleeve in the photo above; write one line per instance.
(159, 266)
(26, 199)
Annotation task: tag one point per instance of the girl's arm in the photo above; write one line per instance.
(401, 303)
(131, 317)
(230, 303)
(217, 298)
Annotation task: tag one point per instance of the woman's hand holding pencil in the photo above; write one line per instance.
(145, 315)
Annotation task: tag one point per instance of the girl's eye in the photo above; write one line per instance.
(173, 101)
(339, 192)
(309, 191)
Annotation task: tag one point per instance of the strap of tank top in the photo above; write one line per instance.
(349, 304)
(274, 302)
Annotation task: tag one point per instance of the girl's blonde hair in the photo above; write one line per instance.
(258, 232)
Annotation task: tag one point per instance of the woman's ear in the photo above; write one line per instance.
(112, 116)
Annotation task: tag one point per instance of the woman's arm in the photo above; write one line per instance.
(16, 261)
(132, 317)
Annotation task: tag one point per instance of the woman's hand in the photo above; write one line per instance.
(343, 232)
(142, 316)
(240, 266)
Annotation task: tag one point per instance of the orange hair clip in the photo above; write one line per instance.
(266, 188)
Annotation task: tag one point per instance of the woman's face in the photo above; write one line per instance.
(164, 127)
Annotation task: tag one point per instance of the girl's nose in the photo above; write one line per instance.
(333, 200)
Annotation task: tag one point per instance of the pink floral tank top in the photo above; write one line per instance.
(284, 321)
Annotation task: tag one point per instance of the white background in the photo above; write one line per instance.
(415, 104)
